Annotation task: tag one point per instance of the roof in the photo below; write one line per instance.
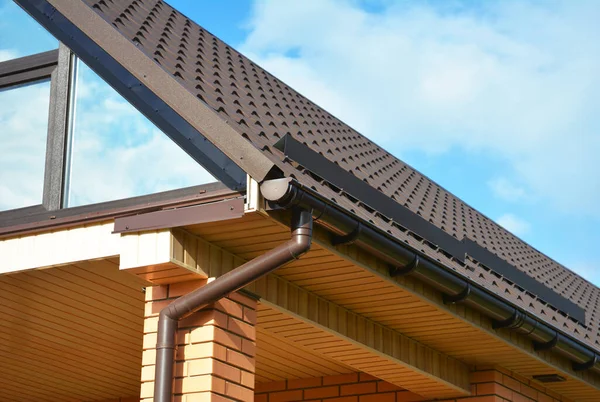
(262, 109)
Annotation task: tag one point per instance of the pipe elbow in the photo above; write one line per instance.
(300, 245)
(169, 313)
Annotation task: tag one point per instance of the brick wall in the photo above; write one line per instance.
(216, 347)
(488, 385)
(353, 387)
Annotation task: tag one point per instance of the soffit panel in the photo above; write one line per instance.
(71, 333)
(407, 310)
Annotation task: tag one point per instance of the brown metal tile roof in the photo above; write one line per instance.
(263, 109)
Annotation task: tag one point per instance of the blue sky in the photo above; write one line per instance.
(495, 101)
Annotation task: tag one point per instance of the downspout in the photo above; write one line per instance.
(288, 193)
(236, 279)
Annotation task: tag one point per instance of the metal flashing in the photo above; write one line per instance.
(191, 215)
(330, 172)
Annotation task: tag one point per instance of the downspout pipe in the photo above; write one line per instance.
(288, 193)
(236, 279)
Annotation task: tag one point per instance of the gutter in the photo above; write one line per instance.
(236, 279)
(288, 193)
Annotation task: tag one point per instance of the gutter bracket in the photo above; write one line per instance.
(405, 270)
(448, 299)
(540, 346)
(587, 365)
(513, 322)
(347, 239)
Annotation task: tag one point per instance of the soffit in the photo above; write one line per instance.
(411, 308)
(72, 333)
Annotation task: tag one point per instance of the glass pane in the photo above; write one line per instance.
(21, 35)
(117, 152)
(23, 130)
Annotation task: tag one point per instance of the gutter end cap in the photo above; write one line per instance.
(276, 190)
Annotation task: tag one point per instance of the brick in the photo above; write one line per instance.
(245, 300)
(153, 308)
(511, 383)
(148, 373)
(344, 399)
(248, 347)
(214, 367)
(147, 390)
(238, 392)
(227, 339)
(201, 383)
(358, 389)
(367, 377)
(156, 292)
(204, 317)
(489, 398)
(261, 398)
(269, 386)
(247, 379)
(407, 396)
(183, 337)
(322, 392)
(240, 360)
(529, 391)
(198, 351)
(183, 288)
(305, 383)
(340, 379)
(250, 315)
(486, 376)
(149, 341)
(544, 398)
(520, 378)
(150, 324)
(384, 386)
(492, 388)
(230, 307)
(205, 397)
(521, 398)
(148, 357)
(286, 396)
(241, 328)
(385, 397)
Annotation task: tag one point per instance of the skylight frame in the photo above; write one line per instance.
(55, 66)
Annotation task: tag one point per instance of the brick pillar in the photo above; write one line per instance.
(216, 347)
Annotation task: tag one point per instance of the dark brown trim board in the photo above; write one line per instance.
(28, 69)
(37, 219)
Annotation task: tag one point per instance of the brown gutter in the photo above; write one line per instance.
(184, 306)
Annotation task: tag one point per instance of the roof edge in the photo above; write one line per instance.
(149, 78)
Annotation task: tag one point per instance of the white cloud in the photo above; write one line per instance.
(7, 54)
(514, 224)
(506, 190)
(23, 123)
(514, 79)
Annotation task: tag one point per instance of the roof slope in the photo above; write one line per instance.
(263, 109)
